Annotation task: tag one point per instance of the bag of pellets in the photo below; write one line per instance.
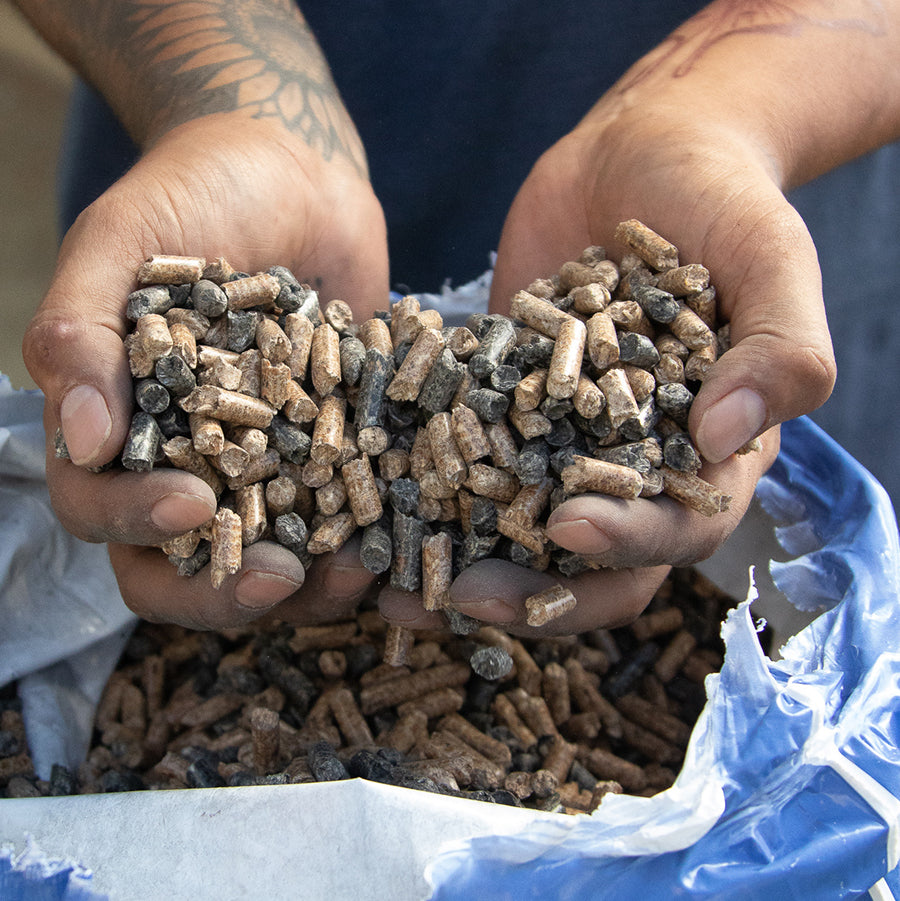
(791, 783)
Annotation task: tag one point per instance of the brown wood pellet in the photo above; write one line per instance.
(572, 719)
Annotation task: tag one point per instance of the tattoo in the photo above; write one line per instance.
(684, 48)
(255, 56)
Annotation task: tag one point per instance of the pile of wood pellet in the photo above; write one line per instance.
(444, 445)
(574, 719)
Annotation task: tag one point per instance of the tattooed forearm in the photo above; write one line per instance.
(164, 62)
(684, 48)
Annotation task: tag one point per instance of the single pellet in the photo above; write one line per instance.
(691, 330)
(504, 452)
(547, 605)
(298, 405)
(491, 663)
(699, 363)
(637, 350)
(175, 374)
(163, 269)
(694, 492)
(240, 329)
(253, 291)
(398, 642)
(370, 399)
(151, 396)
(231, 460)
(228, 406)
(409, 378)
(492, 482)
(376, 546)
(565, 364)
(332, 535)
(406, 564)
(328, 432)
(273, 343)
(647, 244)
(208, 298)
(280, 493)
(490, 405)
(291, 532)
(587, 475)
(684, 280)
(142, 444)
(265, 732)
(353, 355)
(152, 299)
(591, 298)
(493, 348)
(674, 654)
(150, 340)
(679, 453)
(225, 546)
(704, 303)
(325, 359)
(437, 570)
(542, 316)
(299, 331)
(441, 383)
(362, 492)
(448, 460)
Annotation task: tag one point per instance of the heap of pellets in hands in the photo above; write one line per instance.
(576, 717)
(443, 445)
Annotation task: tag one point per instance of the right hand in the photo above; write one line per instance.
(221, 185)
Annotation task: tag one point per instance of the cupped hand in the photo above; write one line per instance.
(224, 186)
(714, 194)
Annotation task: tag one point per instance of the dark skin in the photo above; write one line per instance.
(699, 140)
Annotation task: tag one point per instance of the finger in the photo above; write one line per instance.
(151, 587)
(404, 608)
(494, 591)
(652, 531)
(335, 586)
(128, 507)
(73, 346)
(781, 362)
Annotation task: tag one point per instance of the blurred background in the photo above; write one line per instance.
(34, 89)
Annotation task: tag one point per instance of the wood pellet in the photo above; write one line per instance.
(551, 724)
(397, 426)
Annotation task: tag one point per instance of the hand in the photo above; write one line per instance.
(217, 186)
(713, 194)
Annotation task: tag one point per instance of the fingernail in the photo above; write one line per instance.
(260, 591)
(579, 535)
(730, 423)
(86, 423)
(346, 581)
(180, 512)
(489, 610)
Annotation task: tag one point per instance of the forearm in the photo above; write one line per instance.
(813, 83)
(162, 64)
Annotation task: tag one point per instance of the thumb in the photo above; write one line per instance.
(781, 362)
(73, 347)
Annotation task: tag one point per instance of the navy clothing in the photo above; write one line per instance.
(455, 101)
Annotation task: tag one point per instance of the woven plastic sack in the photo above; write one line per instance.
(791, 782)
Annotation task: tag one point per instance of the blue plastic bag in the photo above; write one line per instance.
(791, 782)
(31, 876)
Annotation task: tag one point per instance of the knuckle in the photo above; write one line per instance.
(45, 338)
